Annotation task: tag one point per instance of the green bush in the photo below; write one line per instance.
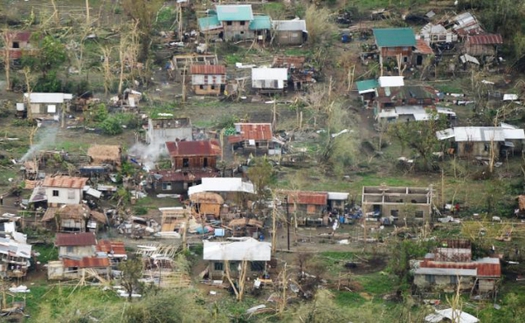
(111, 126)
(140, 210)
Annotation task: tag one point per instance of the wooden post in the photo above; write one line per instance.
(87, 12)
(274, 227)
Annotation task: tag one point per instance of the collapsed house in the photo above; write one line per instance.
(482, 142)
(173, 219)
(482, 45)
(450, 315)
(78, 258)
(105, 155)
(115, 251)
(451, 266)
(15, 252)
(300, 76)
(232, 253)
(73, 218)
(411, 203)
(165, 127)
(255, 138)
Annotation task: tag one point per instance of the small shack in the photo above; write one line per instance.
(290, 32)
(269, 80)
(105, 155)
(73, 218)
(207, 204)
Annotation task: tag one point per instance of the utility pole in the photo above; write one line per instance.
(287, 221)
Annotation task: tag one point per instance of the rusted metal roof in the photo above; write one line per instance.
(206, 69)
(113, 247)
(485, 39)
(65, 182)
(288, 61)
(75, 239)
(193, 148)
(87, 262)
(23, 36)
(255, 131)
(307, 198)
(486, 267)
(423, 48)
(173, 176)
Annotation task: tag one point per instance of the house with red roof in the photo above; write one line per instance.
(60, 190)
(255, 137)
(208, 79)
(451, 265)
(186, 155)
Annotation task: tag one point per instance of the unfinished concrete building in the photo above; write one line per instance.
(412, 203)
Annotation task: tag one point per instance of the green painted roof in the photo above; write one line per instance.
(260, 23)
(242, 12)
(395, 37)
(209, 23)
(366, 85)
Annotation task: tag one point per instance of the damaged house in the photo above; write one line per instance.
(482, 45)
(451, 265)
(208, 79)
(78, 258)
(255, 138)
(16, 44)
(165, 127)
(233, 252)
(300, 76)
(481, 142)
(73, 218)
(103, 159)
(15, 253)
(411, 203)
(168, 181)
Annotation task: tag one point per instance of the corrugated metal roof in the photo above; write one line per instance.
(193, 148)
(254, 131)
(446, 271)
(485, 39)
(65, 182)
(75, 239)
(209, 23)
(395, 37)
(222, 184)
(423, 48)
(306, 198)
(486, 267)
(208, 69)
(482, 134)
(234, 12)
(289, 25)
(269, 74)
(451, 315)
(87, 262)
(261, 23)
(366, 86)
(113, 247)
(48, 97)
(391, 81)
(247, 249)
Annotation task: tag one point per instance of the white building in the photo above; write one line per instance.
(269, 79)
(61, 190)
(45, 105)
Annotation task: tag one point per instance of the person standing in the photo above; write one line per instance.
(1, 200)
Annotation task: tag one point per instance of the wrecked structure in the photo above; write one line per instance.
(165, 127)
(233, 252)
(411, 203)
(255, 138)
(300, 75)
(451, 265)
(105, 155)
(73, 218)
(15, 252)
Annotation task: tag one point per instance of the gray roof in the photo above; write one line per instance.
(289, 25)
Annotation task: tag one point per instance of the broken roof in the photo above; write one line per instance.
(234, 12)
(465, 24)
(222, 184)
(457, 316)
(237, 250)
(394, 37)
(65, 182)
(69, 211)
(193, 148)
(101, 153)
(168, 175)
(480, 134)
(209, 23)
(87, 262)
(288, 61)
(423, 48)
(289, 25)
(366, 86)
(307, 198)
(75, 239)
(112, 247)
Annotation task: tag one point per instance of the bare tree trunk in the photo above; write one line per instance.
(87, 12)
(55, 13)
(7, 37)
(239, 290)
(27, 76)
